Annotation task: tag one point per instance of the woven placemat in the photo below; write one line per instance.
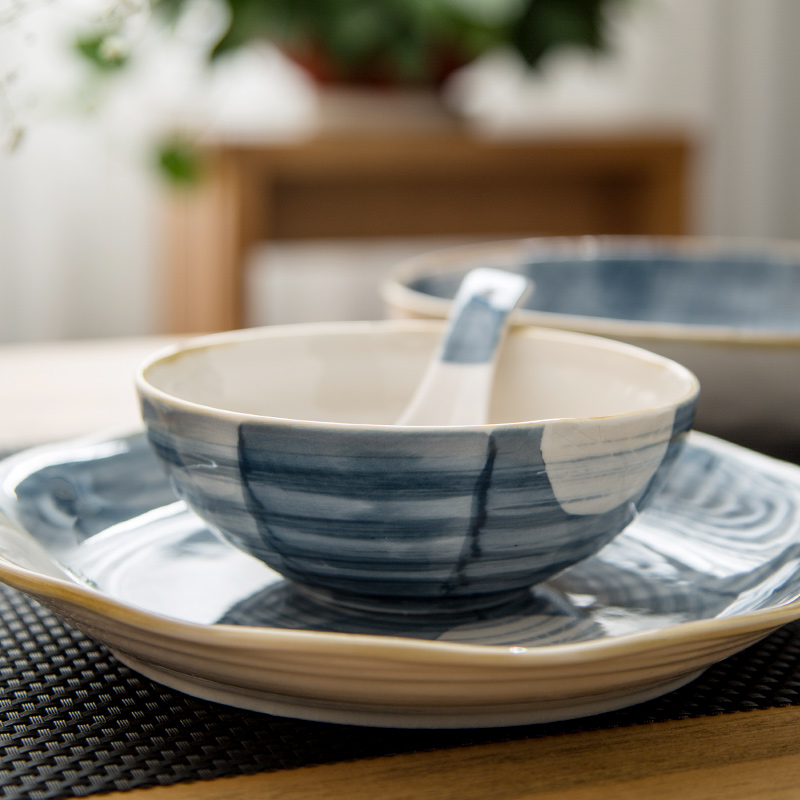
(75, 721)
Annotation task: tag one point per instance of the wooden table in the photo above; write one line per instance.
(62, 390)
(85, 385)
(443, 181)
(744, 756)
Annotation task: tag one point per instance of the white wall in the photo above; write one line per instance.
(79, 240)
(752, 178)
(80, 208)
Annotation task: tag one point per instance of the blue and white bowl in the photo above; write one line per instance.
(727, 309)
(282, 440)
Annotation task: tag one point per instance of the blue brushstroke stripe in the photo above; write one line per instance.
(474, 337)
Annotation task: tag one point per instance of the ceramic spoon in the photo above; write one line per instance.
(457, 385)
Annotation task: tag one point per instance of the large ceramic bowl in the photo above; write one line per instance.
(282, 439)
(729, 311)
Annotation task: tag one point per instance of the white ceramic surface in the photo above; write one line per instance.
(93, 530)
(728, 310)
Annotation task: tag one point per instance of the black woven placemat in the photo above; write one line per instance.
(74, 721)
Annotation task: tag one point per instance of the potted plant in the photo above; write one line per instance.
(389, 42)
(377, 43)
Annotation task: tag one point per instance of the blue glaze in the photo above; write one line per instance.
(474, 337)
(452, 550)
(742, 290)
(67, 505)
(684, 420)
(479, 315)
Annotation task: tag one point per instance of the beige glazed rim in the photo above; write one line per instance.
(401, 300)
(174, 352)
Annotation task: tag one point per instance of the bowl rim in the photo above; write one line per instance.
(148, 390)
(399, 298)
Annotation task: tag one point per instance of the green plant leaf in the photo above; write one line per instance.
(547, 25)
(251, 20)
(407, 40)
(180, 162)
(105, 51)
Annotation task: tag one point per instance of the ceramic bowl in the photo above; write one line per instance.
(728, 310)
(282, 440)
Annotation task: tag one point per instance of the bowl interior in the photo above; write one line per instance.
(730, 288)
(365, 373)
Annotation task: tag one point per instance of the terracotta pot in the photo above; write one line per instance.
(375, 73)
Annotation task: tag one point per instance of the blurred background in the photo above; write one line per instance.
(117, 128)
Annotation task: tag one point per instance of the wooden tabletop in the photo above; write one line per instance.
(67, 389)
(740, 756)
(62, 390)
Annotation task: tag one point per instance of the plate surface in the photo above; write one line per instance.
(93, 530)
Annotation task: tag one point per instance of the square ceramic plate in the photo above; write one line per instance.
(94, 531)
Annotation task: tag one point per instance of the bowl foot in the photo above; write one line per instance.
(291, 605)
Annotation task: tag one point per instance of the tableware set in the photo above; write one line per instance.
(288, 537)
(94, 531)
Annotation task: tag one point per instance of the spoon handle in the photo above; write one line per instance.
(457, 385)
